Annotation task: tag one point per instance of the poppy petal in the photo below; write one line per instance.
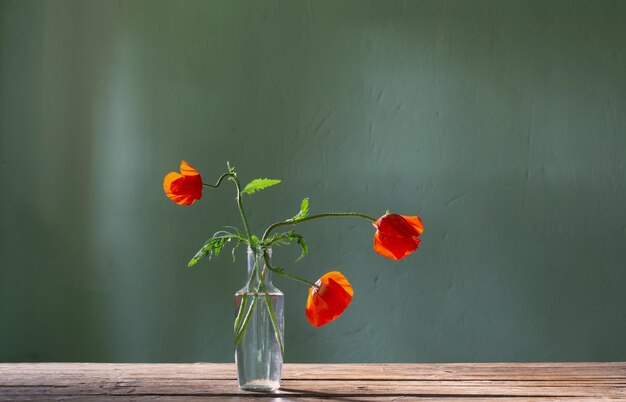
(187, 170)
(394, 248)
(328, 302)
(397, 235)
(394, 225)
(381, 248)
(416, 222)
(183, 188)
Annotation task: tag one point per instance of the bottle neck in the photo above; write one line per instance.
(257, 270)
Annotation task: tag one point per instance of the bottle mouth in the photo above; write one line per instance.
(259, 250)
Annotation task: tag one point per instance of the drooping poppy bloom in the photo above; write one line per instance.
(396, 235)
(183, 188)
(327, 302)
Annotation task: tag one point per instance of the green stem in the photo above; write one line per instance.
(282, 272)
(246, 320)
(313, 217)
(279, 335)
(244, 219)
(242, 307)
(270, 310)
(219, 181)
(242, 213)
(260, 288)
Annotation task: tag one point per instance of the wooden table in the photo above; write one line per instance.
(343, 382)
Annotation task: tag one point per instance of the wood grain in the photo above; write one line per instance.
(309, 382)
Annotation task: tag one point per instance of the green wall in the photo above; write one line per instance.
(502, 123)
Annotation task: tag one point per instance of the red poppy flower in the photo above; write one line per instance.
(183, 188)
(327, 302)
(396, 235)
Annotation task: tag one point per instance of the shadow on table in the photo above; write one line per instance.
(301, 393)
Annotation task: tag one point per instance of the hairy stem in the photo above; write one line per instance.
(313, 217)
(242, 213)
(244, 219)
(219, 181)
(281, 272)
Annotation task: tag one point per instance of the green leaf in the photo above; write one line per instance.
(304, 210)
(218, 245)
(286, 238)
(303, 246)
(214, 246)
(236, 229)
(259, 184)
(194, 260)
(278, 270)
(278, 239)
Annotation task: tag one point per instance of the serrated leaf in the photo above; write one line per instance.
(277, 270)
(194, 260)
(259, 184)
(236, 229)
(304, 210)
(303, 246)
(290, 237)
(213, 246)
(280, 239)
(218, 247)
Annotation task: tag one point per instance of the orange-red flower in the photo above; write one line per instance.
(183, 188)
(327, 302)
(396, 235)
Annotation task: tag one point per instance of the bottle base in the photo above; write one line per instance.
(260, 385)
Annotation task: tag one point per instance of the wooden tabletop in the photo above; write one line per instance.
(308, 382)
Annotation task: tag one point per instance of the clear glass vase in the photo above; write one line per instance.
(259, 329)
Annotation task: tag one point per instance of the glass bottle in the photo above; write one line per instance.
(258, 354)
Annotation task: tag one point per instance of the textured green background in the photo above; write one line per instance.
(501, 122)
